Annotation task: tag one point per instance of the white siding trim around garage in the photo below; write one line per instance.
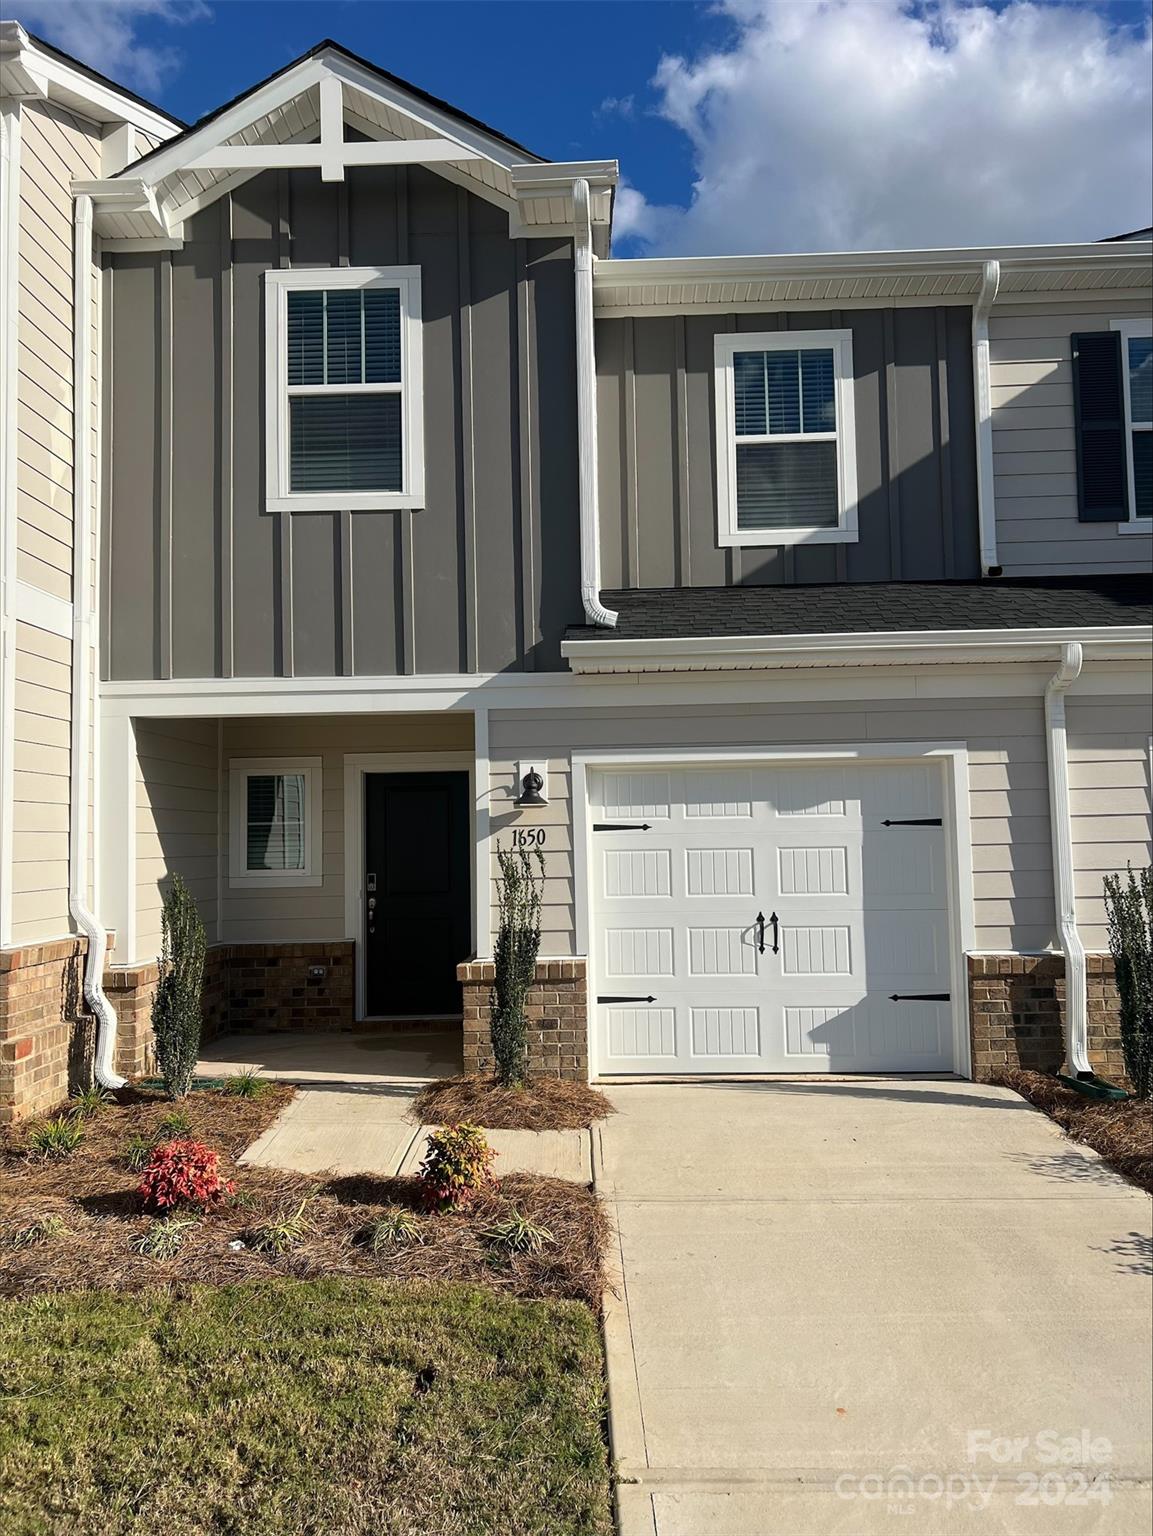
(1034, 444)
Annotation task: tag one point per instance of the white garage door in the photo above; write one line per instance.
(771, 919)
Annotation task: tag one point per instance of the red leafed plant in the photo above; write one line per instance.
(456, 1167)
(183, 1173)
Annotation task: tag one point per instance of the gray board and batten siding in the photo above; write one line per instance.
(202, 581)
(913, 395)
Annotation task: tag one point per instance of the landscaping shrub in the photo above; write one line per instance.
(456, 1167)
(89, 1101)
(137, 1153)
(518, 1234)
(173, 1127)
(58, 1137)
(1129, 906)
(282, 1232)
(164, 1238)
(176, 1010)
(183, 1173)
(395, 1229)
(245, 1085)
(519, 893)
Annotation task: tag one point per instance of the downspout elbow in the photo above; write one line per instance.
(595, 611)
(1057, 756)
(983, 418)
(104, 1064)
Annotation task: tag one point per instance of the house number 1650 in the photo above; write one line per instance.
(528, 837)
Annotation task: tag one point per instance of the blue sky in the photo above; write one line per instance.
(740, 125)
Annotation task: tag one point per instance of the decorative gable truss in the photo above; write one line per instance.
(300, 118)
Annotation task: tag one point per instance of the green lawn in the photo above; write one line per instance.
(330, 1406)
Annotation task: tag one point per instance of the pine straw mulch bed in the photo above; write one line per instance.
(543, 1104)
(94, 1194)
(1121, 1131)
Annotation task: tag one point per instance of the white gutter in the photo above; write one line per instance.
(983, 418)
(1057, 756)
(595, 611)
(83, 651)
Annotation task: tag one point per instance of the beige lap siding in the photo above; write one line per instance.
(41, 760)
(1009, 822)
(176, 823)
(1034, 442)
(307, 913)
(1109, 769)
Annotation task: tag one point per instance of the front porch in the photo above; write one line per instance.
(364, 1059)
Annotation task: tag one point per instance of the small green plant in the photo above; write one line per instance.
(176, 1008)
(1129, 908)
(456, 1167)
(518, 1234)
(164, 1238)
(395, 1229)
(246, 1085)
(282, 1232)
(89, 1101)
(136, 1153)
(44, 1230)
(58, 1137)
(174, 1126)
(520, 891)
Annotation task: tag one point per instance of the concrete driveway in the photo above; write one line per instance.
(854, 1307)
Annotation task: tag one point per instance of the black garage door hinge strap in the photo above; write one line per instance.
(626, 999)
(921, 821)
(920, 997)
(618, 826)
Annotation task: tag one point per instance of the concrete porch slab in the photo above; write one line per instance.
(373, 1056)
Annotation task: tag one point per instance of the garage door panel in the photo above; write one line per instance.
(682, 981)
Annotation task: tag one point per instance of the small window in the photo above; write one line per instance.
(785, 467)
(1137, 374)
(344, 389)
(275, 824)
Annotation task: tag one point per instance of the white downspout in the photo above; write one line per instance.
(83, 651)
(1057, 756)
(595, 611)
(983, 419)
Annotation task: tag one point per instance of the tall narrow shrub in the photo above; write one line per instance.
(1129, 905)
(519, 894)
(176, 1015)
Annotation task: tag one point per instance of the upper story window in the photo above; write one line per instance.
(344, 419)
(1137, 374)
(786, 471)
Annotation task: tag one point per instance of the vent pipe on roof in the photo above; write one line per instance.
(1057, 757)
(983, 418)
(595, 611)
(83, 678)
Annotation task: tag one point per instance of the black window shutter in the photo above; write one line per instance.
(1099, 410)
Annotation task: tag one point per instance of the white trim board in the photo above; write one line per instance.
(356, 766)
(954, 759)
(240, 770)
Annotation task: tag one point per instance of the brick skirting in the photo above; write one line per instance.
(1017, 1013)
(556, 1011)
(47, 1035)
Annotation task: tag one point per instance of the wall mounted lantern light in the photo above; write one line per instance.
(531, 784)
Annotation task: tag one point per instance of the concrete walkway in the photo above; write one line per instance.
(834, 1296)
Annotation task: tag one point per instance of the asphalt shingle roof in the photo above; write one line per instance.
(876, 607)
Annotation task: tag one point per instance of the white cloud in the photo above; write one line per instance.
(104, 34)
(618, 106)
(874, 124)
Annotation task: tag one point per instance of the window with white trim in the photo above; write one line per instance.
(275, 822)
(1137, 375)
(344, 413)
(786, 468)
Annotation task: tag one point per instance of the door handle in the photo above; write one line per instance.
(760, 933)
(776, 933)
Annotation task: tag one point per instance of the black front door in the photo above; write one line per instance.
(418, 906)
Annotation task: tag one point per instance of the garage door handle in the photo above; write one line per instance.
(760, 933)
(776, 934)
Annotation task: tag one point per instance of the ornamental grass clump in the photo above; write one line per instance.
(176, 1008)
(520, 891)
(183, 1173)
(457, 1166)
(395, 1229)
(89, 1102)
(1129, 906)
(55, 1138)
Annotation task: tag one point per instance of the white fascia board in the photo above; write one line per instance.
(851, 649)
(625, 272)
(560, 174)
(52, 77)
(128, 195)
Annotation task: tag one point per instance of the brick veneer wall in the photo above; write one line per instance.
(1017, 1012)
(45, 1037)
(557, 1014)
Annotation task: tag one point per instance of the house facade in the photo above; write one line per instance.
(794, 609)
